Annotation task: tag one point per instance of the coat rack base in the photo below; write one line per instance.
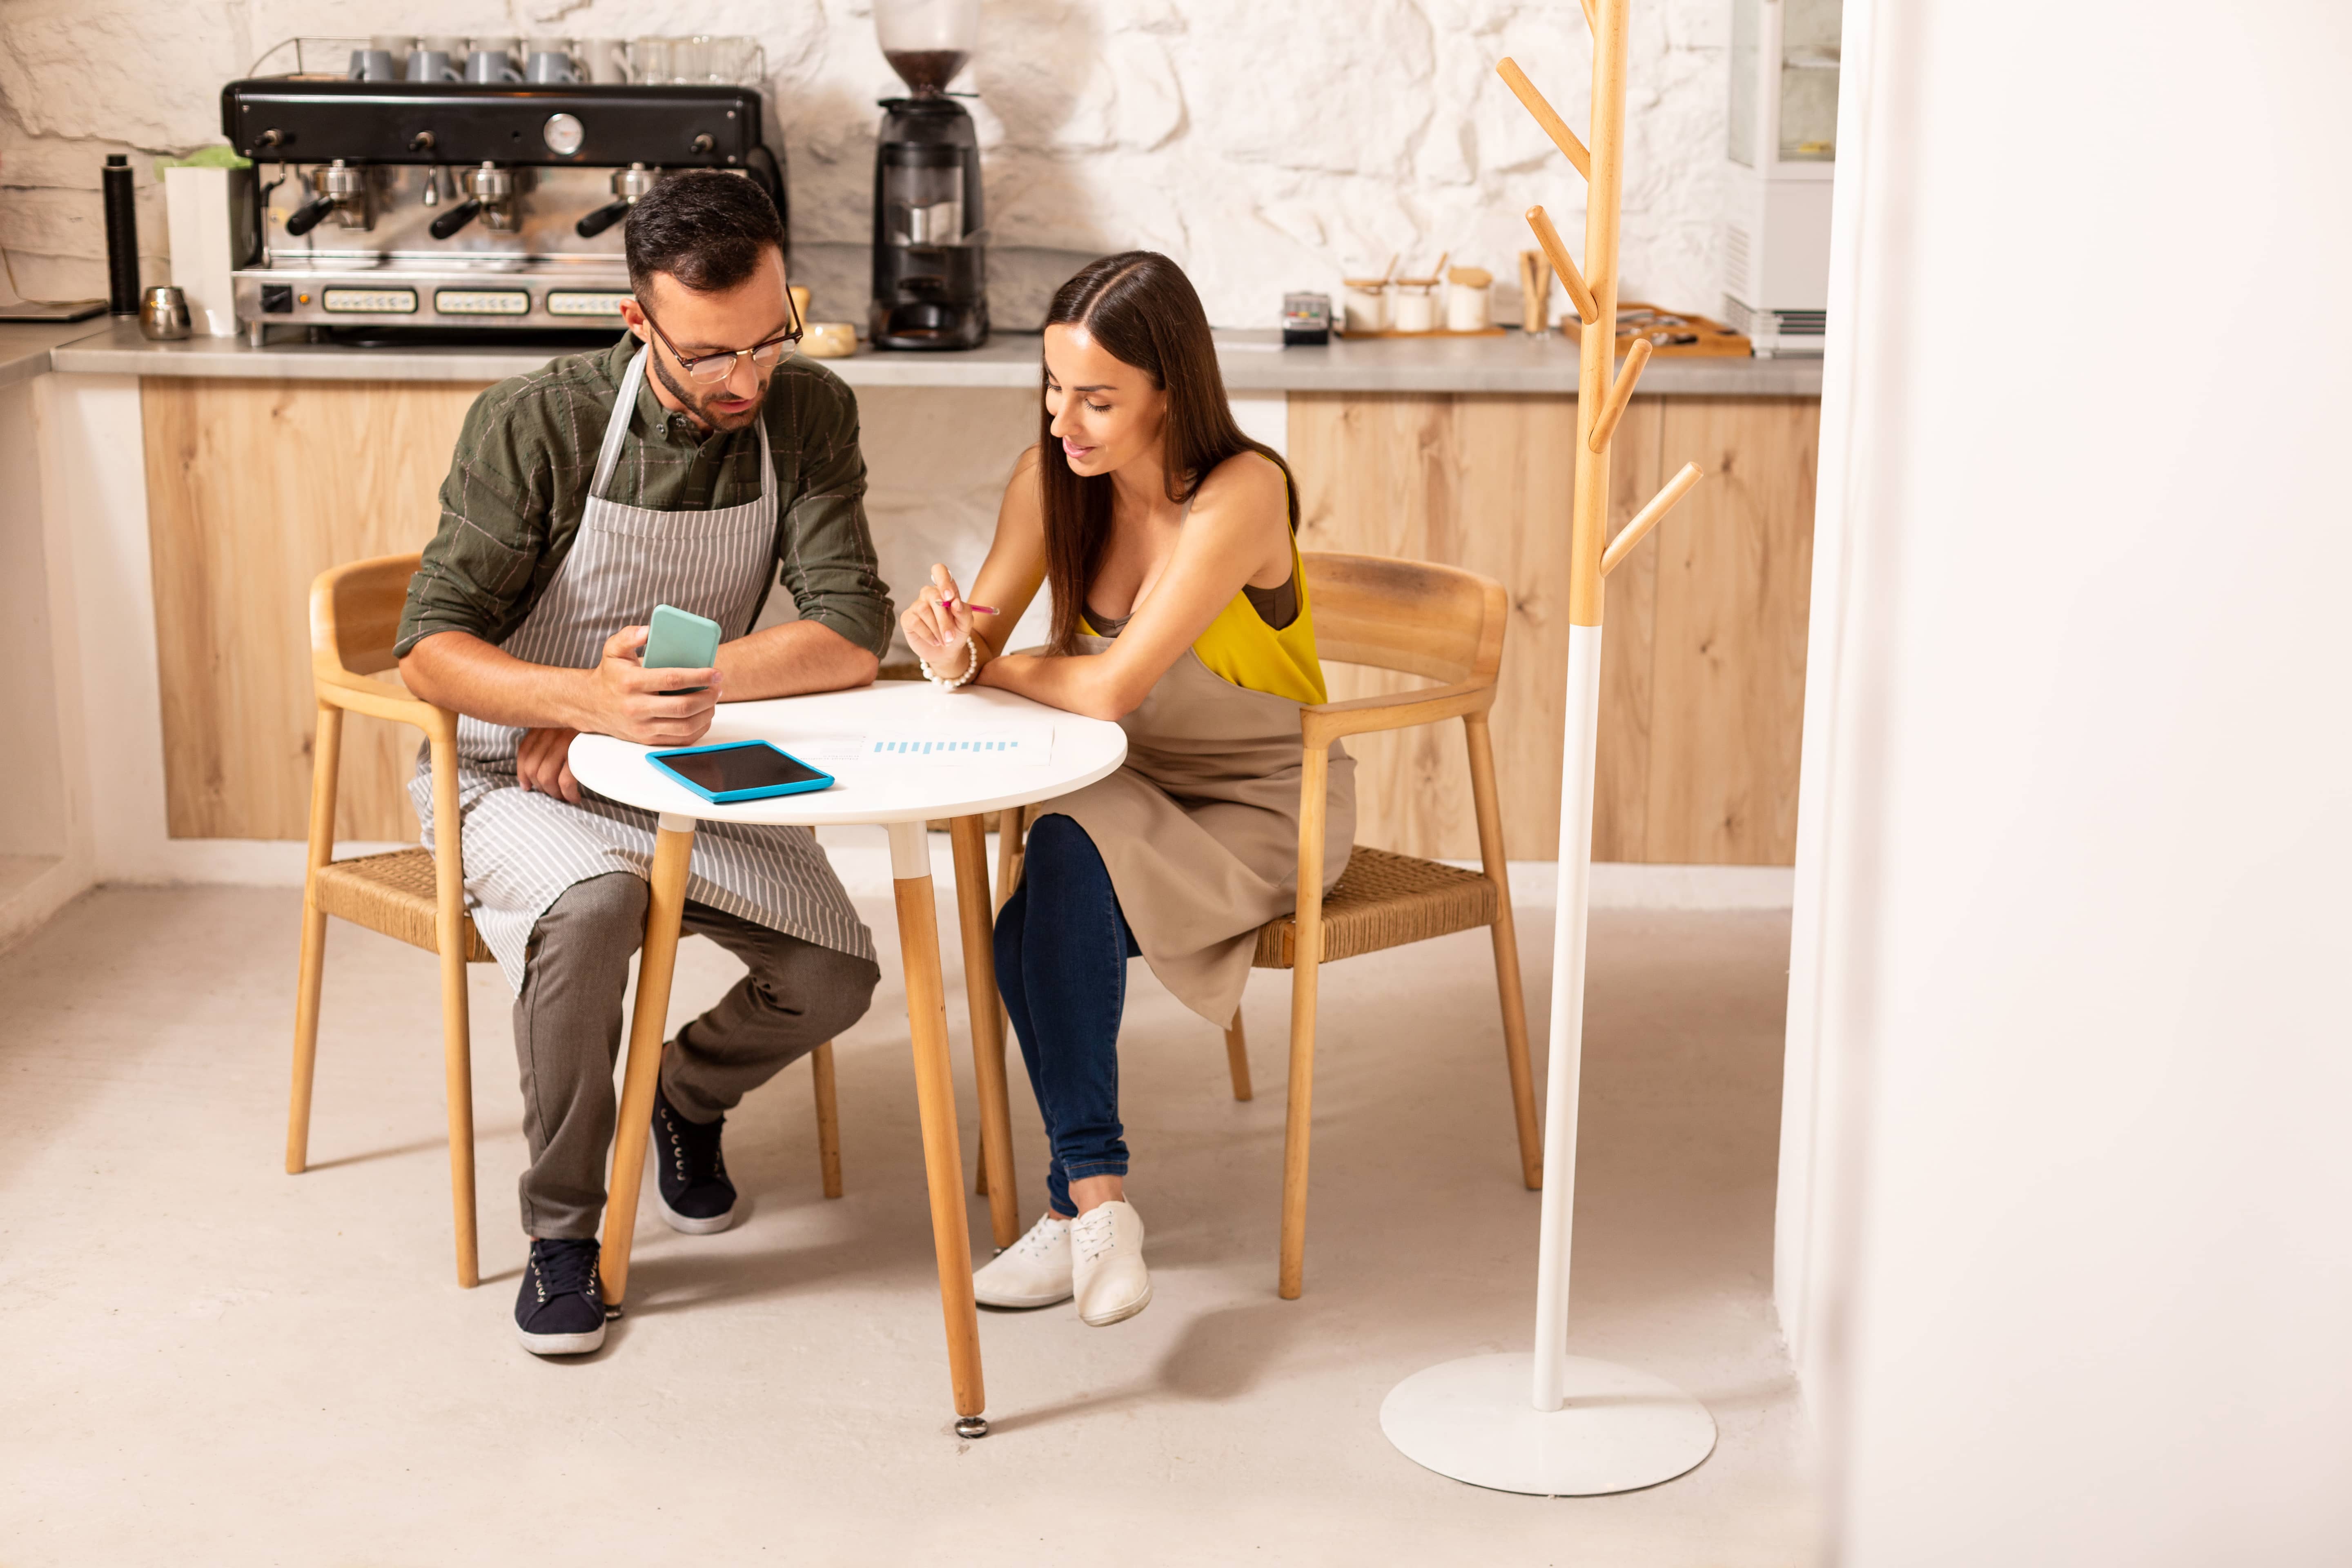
(1620, 1429)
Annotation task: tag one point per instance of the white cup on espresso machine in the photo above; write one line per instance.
(602, 59)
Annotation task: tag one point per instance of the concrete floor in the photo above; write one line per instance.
(208, 1361)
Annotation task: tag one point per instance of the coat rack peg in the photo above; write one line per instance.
(1545, 115)
(1590, 20)
(1587, 311)
(1648, 518)
(1621, 393)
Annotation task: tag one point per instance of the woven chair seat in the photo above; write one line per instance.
(392, 893)
(1384, 900)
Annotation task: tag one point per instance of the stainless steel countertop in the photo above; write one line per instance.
(1253, 362)
(25, 346)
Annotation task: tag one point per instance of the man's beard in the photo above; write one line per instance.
(698, 408)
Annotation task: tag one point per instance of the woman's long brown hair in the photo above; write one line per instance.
(1141, 308)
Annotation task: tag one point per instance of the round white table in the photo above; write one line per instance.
(903, 796)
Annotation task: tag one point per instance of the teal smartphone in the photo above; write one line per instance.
(680, 640)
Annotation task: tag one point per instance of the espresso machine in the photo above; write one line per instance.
(424, 212)
(930, 238)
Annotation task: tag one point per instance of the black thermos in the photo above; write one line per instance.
(122, 238)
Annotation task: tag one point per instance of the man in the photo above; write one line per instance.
(683, 466)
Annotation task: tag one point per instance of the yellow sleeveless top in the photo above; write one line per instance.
(1241, 650)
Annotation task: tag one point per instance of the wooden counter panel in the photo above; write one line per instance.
(255, 486)
(1703, 664)
(253, 489)
(1735, 571)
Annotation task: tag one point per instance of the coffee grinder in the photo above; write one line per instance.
(930, 255)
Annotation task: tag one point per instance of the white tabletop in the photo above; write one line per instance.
(1083, 751)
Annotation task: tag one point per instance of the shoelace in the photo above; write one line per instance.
(564, 1267)
(694, 1148)
(1040, 1240)
(1092, 1234)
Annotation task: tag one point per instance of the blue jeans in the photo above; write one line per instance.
(1062, 948)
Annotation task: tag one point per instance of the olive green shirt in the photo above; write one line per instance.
(518, 486)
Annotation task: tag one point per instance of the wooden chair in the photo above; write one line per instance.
(1445, 625)
(416, 895)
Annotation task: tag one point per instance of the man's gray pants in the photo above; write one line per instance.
(567, 1030)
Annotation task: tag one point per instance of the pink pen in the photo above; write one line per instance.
(948, 598)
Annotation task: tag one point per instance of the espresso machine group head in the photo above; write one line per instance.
(411, 211)
(930, 231)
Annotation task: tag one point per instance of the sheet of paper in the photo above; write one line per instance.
(827, 752)
(1026, 743)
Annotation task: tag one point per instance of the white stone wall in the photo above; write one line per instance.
(1267, 147)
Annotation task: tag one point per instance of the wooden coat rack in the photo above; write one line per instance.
(1547, 1422)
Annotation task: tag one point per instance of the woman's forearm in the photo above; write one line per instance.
(1089, 685)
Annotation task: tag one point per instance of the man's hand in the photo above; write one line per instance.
(543, 762)
(647, 706)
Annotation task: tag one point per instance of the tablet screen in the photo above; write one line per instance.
(754, 764)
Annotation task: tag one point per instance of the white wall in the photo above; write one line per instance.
(1263, 145)
(2066, 1196)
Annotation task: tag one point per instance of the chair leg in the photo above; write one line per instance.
(1237, 1055)
(1009, 850)
(1307, 962)
(1505, 932)
(828, 1119)
(456, 1028)
(326, 752)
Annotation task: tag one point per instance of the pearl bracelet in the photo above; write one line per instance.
(946, 683)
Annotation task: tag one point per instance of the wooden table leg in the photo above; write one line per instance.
(673, 856)
(927, 1021)
(969, 834)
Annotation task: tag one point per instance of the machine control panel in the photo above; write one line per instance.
(368, 302)
(591, 302)
(482, 301)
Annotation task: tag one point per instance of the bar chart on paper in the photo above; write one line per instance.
(1029, 744)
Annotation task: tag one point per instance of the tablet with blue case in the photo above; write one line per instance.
(740, 770)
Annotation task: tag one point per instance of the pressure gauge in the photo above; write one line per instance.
(563, 134)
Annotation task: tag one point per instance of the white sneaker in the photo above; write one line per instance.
(1111, 1283)
(1034, 1272)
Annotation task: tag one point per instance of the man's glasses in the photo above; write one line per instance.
(717, 367)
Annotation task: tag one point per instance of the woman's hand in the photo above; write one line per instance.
(938, 625)
(543, 762)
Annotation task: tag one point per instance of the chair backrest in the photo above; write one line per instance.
(355, 614)
(1410, 616)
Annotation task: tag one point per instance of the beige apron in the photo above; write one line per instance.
(1200, 827)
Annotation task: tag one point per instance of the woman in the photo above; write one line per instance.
(1179, 609)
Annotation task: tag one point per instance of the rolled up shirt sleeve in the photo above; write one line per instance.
(824, 551)
(478, 572)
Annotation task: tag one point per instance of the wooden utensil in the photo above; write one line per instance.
(1535, 292)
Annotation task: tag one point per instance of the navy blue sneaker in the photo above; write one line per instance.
(690, 1178)
(560, 1309)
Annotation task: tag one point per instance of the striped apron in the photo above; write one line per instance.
(523, 848)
